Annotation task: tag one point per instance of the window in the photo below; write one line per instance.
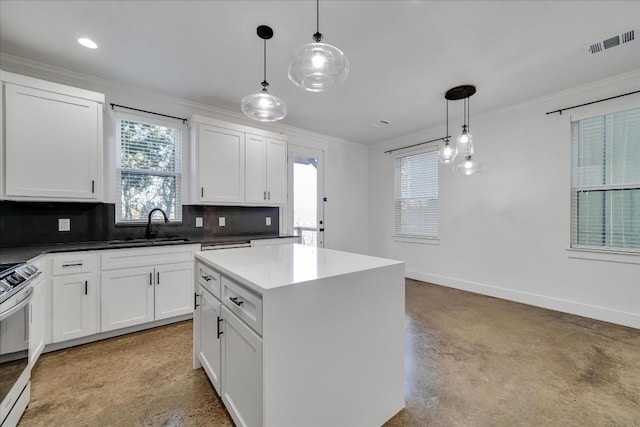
(148, 169)
(416, 195)
(606, 182)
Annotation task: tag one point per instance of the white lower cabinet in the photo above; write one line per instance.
(146, 284)
(38, 310)
(241, 371)
(131, 296)
(229, 350)
(75, 306)
(75, 287)
(208, 318)
(127, 297)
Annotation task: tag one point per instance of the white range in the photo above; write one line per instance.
(291, 335)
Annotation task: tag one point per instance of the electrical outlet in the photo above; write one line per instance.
(221, 221)
(64, 224)
(198, 221)
(268, 220)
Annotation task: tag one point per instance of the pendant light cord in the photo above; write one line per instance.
(317, 36)
(264, 82)
(447, 133)
(468, 115)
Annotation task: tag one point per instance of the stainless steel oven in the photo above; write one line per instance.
(15, 373)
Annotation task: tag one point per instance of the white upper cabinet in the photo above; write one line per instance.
(53, 141)
(266, 170)
(220, 165)
(237, 165)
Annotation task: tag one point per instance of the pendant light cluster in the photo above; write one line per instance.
(315, 67)
(461, 157)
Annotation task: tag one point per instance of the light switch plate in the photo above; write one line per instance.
(221, 221)
(198, 221)
(268, 220)
(64, 224)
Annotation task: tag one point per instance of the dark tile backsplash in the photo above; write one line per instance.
(30, 223)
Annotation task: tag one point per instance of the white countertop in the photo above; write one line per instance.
(270, 267)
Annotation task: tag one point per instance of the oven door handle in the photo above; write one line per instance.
(19, 306)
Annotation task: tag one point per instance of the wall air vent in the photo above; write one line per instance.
(611, 42)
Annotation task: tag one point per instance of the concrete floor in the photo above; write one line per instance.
(470, 361)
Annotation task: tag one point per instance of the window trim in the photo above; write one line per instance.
(407, 238)
(179, 175)
(597, 253)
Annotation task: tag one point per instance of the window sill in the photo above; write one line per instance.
(144, 224)
(418, 240)
(603, 255)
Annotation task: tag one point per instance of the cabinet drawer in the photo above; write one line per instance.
(243, 303)
(74, 262)
(209, 279)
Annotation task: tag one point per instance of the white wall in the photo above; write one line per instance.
(346, 163)
(505, 232)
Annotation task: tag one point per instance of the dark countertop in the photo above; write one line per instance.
(25, 253)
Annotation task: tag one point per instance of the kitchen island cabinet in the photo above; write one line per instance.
(307, 336)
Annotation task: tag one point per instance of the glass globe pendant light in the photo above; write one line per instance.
(446, 153)
(468, 166)
(263, 106)
(317, 66)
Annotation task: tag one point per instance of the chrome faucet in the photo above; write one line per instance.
(152, 232)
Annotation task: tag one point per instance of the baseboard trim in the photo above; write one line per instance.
(631, 320)
(115, 333)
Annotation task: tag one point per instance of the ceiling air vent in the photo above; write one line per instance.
(614, 41)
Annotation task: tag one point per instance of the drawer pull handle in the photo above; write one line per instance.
(206, 278)
(72, 264)
(236, 301)
(219, 331)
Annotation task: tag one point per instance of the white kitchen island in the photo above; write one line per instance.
(296, 336)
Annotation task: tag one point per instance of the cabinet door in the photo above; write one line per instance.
(255, 169)
(276, 172)
(208, 338)
(220, 165)
(241, 371)
(127, 297)
(74, 306)
(52, 145)
(36, 328)
(174, 290)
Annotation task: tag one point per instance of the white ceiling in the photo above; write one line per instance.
(404, 55)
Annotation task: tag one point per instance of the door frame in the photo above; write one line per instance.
(292, 150)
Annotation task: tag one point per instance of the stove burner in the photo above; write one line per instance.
(14, 278)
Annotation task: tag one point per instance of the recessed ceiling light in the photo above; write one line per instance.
(87, 43)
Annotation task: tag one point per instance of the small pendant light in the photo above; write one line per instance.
(317, 66)
(263, 106)
(446, 153)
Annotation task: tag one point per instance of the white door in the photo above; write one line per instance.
(74, 306)
(174, 290)
(241, 371)
(127, 297)
(306, 191)
(51, 144)
(209, 336)
(220, 165)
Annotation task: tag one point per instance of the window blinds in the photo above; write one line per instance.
(148, 169)
(606, 181)
(416, 195)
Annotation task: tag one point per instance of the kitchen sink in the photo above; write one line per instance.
(147, 242)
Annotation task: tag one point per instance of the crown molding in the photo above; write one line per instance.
(43, 71)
